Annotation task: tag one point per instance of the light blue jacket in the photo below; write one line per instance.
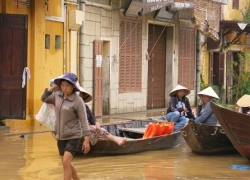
(206, 115)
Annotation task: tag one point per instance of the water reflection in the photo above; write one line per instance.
(36, 157)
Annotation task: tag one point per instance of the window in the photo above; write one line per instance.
(216, 68)
(47, 41)
(130, 55)
(58, 42)
(235, 4)
(186, 63)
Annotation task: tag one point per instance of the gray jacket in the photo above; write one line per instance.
(71, 119)
(206, 115)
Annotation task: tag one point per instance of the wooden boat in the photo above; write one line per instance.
(236, 126)
(133, 130)
(206, 139)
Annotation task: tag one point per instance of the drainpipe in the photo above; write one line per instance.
(198, 65)
(64, 39)
(82, 4)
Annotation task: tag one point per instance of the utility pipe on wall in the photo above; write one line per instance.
(198, 65)
(65, 39)
(82, 4)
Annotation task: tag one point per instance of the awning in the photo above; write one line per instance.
(233, 34)
(203, 26)
(140, 7)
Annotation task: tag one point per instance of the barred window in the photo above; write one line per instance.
(130, 61)
(186, 63)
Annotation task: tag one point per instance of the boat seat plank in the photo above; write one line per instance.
(133, 130)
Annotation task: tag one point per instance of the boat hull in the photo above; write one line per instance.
(207, 139)
(236, 126)
(136, 145)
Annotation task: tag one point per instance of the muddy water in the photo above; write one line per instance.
(35, 156)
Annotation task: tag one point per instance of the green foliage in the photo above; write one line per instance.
(246, 15)
(241, 80)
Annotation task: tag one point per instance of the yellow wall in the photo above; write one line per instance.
(232, 14)
(43, 64)
(53, 57)
(205, 65)
(54, 8)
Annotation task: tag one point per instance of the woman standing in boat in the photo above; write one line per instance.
(95, 129)
(71, 123)
(179, 110)
(205, 113)
(244, 104)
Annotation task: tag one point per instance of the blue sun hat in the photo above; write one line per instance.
(70, 77)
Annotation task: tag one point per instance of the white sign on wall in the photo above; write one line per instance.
(98, 60)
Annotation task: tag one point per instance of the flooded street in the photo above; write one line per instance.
(35, 156)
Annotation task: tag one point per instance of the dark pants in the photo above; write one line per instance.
(70, 145)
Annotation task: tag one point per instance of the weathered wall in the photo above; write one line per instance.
(105, 25)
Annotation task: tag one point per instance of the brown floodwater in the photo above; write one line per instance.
(35, 157)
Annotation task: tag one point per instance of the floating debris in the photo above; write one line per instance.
(240, 167)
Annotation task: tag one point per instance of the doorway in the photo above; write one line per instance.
(156, 66)
(13, 60)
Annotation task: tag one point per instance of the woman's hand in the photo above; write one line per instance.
(186, 110)
(85, 145)
(52, 88)
(97, 125)
(201, 102)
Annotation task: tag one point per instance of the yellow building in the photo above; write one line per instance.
(217, 56)
(36, 37)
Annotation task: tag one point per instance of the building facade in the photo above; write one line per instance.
(36, 39)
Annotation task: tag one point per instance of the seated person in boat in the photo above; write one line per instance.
(179, 110)
(205, 113)
(95, 129)
(244, 104)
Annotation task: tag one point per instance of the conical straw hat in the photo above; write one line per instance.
(86, 96)
(177, 88)
(244, 101)
(209, 92)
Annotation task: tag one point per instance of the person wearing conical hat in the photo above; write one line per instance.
(71, 124)
(95, 129)
(205, 113)
(244, 104)
(179, 110)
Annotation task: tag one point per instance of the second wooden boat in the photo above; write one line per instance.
(206, 139)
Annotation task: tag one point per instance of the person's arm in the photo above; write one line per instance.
(205, 114)
(199, 110)
(82, 115)
(172, 104)
(49, 95)
(190, 112)
(90, 116)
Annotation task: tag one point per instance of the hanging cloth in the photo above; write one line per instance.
(26, 75)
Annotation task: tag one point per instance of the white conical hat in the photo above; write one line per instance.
(244, 101)
(86, 96)
(179, 87)
(209, 92)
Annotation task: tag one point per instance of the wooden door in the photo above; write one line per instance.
(156, 66)
(13, 59)
(98, 53)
